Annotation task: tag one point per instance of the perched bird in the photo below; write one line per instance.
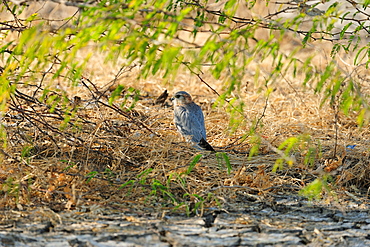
(162, 98)
(189, 120)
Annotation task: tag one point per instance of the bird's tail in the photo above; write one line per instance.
(205, 145)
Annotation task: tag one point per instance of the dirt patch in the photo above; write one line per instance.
(274, 221)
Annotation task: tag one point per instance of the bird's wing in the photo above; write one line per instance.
(189, 121)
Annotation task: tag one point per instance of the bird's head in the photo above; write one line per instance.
(181, 98)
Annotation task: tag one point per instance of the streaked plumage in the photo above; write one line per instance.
(189, 120)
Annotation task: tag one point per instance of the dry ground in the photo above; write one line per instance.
(103, 148)
(134, 159)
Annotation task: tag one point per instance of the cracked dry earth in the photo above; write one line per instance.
(279, 221)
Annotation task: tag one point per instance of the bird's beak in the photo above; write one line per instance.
(172, 98)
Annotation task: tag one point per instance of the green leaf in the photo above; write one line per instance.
(193, 163)
(91, 175)
(366, 4)
(230, 4)
(130, 182)
(116, 93)
(143, 175)
(360, 55)
(227, 162)
(313, 190)
(344, 29)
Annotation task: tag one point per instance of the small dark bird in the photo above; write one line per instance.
(76, 102)
(189, 120)
(162, 98)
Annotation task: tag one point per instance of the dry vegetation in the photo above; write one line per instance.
(44, 164)
(120, 157)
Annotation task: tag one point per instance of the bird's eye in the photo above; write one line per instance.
(177, 96)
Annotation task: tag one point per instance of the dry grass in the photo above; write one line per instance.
(56, 168)
(103, 148)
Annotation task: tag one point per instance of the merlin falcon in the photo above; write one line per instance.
(189, 120)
